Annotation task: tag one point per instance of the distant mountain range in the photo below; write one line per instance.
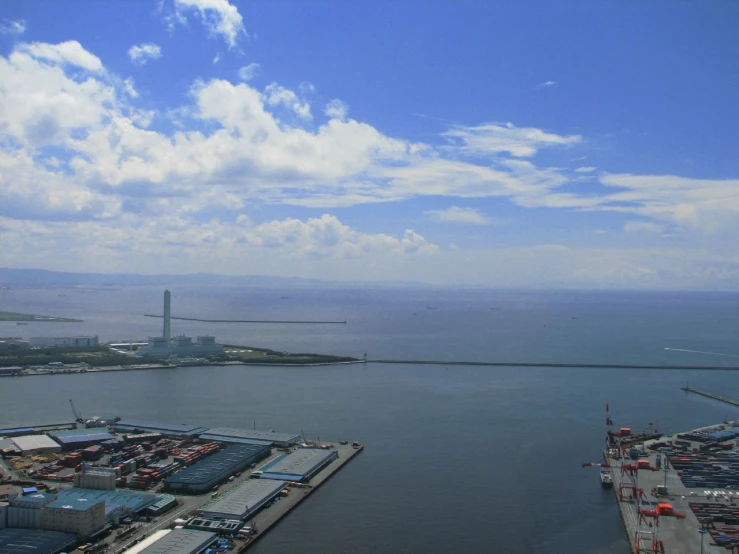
(45, 278)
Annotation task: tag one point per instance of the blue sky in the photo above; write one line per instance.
(532, 144)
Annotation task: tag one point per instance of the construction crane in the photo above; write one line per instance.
(77, 415)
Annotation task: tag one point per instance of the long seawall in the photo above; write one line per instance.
(557, 364)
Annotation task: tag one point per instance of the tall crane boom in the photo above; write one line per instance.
(77, 415)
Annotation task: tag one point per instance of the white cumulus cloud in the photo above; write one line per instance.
(455, 214)
(140, 54)
(220, 17)
(70, 52)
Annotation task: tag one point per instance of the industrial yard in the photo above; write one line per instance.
(677, 494)
(130, 486)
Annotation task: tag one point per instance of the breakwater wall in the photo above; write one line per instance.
(710, 395)
(558, 365)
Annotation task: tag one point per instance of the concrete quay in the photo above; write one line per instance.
(268, 518)
(678, 535)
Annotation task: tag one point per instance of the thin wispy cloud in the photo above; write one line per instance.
(249, 72)
(11, 27)
(585, 169)
(546, 84)
(141, 54)
(455, 214)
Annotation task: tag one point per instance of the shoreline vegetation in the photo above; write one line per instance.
(53, 360)
(17, 316)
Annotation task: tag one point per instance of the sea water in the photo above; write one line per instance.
(458, 458)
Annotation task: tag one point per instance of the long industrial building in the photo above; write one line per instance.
(35, 444)
(300, 465)
(211, 471)
(35, 541)
(181, 541)
(80, 438)
(163, 427)
(244, 501)
(245, 436)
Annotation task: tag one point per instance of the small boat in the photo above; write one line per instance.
(606, 479)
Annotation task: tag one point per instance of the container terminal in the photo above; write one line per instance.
(677, 494)
(128, 486)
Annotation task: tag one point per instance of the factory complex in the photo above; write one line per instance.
(180, 346)
(153, 487)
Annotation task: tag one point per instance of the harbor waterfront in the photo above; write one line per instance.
(424, 483)
(678, 494)
(179, 476)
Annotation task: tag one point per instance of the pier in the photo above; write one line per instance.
(688, 388)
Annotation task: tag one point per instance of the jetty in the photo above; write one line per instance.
(711, 395)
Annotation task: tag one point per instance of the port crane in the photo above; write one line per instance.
(77, 416)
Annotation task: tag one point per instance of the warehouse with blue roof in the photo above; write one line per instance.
(205, 474)
(163, 427)
(80, 438)
(118, 504)
(35, 541)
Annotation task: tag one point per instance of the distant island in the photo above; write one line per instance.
(15, 316)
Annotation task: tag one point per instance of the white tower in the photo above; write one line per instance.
(166, 333)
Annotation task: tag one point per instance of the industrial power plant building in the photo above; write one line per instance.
(181, 346)
(300, 465)
(244, 501)
(214, 470)
(68, 342)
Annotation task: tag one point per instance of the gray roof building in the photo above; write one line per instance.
(163, 427)
(243, 501)
(228, 434)
(300, 465)
(181, 541)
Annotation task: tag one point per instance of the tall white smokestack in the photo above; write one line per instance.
(166, 334)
